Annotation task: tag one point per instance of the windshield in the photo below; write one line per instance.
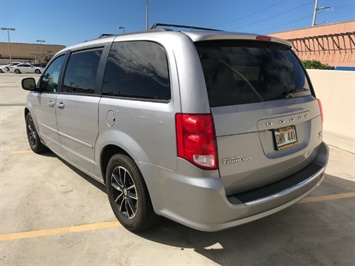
(240, 72)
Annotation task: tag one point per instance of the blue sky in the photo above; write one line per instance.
(68, 22)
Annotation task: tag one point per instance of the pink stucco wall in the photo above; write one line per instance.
(332, 44)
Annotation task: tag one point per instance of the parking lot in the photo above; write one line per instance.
(52, 214)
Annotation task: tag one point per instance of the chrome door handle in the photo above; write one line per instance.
(51, 104)
(60, 105)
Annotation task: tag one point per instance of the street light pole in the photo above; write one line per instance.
(315, 13)
(316, 9)
(8, 37)
(146, 15)
(41, 42)
(122, 28)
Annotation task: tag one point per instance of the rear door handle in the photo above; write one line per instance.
(60, 105)
(51, 104)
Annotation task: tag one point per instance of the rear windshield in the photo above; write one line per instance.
(241, 72)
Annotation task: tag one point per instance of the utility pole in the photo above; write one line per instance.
(316, 9)
(8, 37)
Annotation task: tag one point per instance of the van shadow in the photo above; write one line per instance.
(304, 234)
(88, 178)
(49, 154)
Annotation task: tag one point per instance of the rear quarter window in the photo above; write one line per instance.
(137, 69)
(241, 72)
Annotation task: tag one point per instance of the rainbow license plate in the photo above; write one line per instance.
(285, 137)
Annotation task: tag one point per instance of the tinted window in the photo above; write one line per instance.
(238, 72)
(137, 69)
(80, 74)
(49, 80)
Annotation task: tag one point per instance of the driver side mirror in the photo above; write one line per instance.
(29, 84)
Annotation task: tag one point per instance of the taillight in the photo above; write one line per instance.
(320, 109)
(196, 140)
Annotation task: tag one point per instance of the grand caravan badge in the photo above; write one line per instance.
(235, 159)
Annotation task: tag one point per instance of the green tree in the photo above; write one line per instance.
(314, 64)
(48, 57)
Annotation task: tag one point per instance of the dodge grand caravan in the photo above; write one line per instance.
(211, 129)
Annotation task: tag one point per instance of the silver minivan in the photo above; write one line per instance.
(210, 129)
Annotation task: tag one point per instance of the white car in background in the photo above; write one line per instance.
(26, 68)
(7, 67)
(3, 69)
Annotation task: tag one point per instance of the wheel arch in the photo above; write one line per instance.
(30, 110)
(35, 141)
(106, 154)
(26, 111)
(113, 141)
(111, 149)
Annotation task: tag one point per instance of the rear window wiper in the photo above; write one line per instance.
(243, 77)
(295, 91)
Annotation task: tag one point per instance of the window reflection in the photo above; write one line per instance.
(81, 71)
(49, 80)
(137, 69)
(245, 72)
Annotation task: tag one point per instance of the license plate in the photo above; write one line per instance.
(285, 137)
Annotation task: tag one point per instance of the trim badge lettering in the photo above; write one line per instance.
(235, 159)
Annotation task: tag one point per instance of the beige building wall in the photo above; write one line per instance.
(27, 51)
(332, 44)
(336, 90)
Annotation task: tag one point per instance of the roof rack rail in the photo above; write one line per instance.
(155, 25)
(104, 35)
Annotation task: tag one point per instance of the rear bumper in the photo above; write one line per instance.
(202, 204)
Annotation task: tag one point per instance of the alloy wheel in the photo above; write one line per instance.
(124, 192)
(31, 132)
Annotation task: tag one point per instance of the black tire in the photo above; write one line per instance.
(37, 71)
(17, 71)
(128, 194)
(33, 139)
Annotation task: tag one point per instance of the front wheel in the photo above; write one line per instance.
(17, 71)
(33, 139)
(37, 71)
(128, 194)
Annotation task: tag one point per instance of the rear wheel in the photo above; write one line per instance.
(128, 194)
(17, 71)
(33, 139)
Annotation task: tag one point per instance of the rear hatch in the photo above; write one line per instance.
(267, 119)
